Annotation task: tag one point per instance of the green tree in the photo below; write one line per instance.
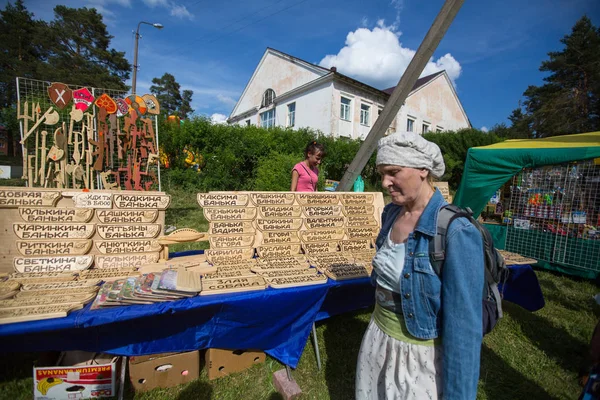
(186, 109)
(168, 93)
(520, 125)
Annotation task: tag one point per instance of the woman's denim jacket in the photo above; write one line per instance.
(449, 307)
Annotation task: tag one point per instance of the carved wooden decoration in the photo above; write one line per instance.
(235, 273)
(54, 248)
(93, 200)
(126, 216)
(360, 220)
(50, 279)
(143, 201)
(216, 255)
(293, 281)
(75, 291)
(278, 224)
(127, 246)
(8, 316)
(229, 228)
(322, 211)
(60, 94)
(82, 98)
(65, 286)
(324, 222)
(280, 237)
(362, 233)
(290, 272)
(125, 260)
(323, 235)
(355, 245)
(340, 272)
(316, 199)
(229, 213)
(52, 263)
(234, 266)
(182, 235)
(222, 199)
(58, 231)
(283, 259)
(17, 198)
(232, 285)
(110, 274)
(322, 259)
(152, 105)
(260, 268)
(351, 199)
(106, 102)
(279, 250)
(138, 231)
(41, 275)
(280, 211)
(320, 247)
(30, 214)
(9, 286)
(272, 199)
(42, 301)
(229, 241)
(351, 210)
(122, 107)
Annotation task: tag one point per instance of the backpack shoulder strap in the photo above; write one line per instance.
(437, 246)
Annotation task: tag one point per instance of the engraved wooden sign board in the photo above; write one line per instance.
(60, 285)
(126, 216)
(234, 273)
(280, 211)
(20, 198)
(362, 233)
(278, 224)
(41, 275)
(283, 259)
(84, 290)
(360, 220)
(230, 213)
(222, 200)
(8, 316)
(346, 271)
(264, 199)
(55, 214)
(92, 200)
(293, 281)
(53, 248)
(58, 231)
(358, 210)
(227, 241)
(125, 260)
(138, 231)
(127, 246)
(279, 266)
(233, 227)
(290, 272)
(349, 199)
(52, 263)
(320, 247)
(215, 255)
(279, 250)
(324, 222)
(323, 235)
(232, 285)
(355, 245)
(306, 199)
(280, 237)
(108, 273)
(53, 279)
(322, 211)
(143, 201)
(42, 301)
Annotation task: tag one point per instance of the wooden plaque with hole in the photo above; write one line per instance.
(52, 263)
(324, 222)
(355, 245)
(54, 248)
(293, 281)
(272, 199)
(278, 250)
(360, 221)
(278, 224)
(137, 231)
(58, 231)
(65, 286)
(231, 227)
(125, 260)
(92, 200)
(320, 247)
(30, 214)
(317, 199)
(229, 241)
(362, 233)
(142, 201)
(126, 216)
(13, 198)
(280, 211)
(322, 211)
(76, 291)
(280, 237)
(8, 316)
(232, 285)
(222, 199)
(350, 199)
(215, 255)
(127, 246)
(355, 210)
(229, 213)
(323, 235)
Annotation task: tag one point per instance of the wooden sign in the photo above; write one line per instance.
(51, 279)
(82, 98)
(355, 245)
(41, 275)
(227, 241)
(443, 187)
(320, 247)
(42, 301)
(293, 281)
(325, 259)
(122, 107)
(65, 286)
(152, 105)
(127, 246)
(109, 273)
(272, 199)
(315, 199)
(232, 265)
(350, 199)
(137, 231)
(362, 233)
(215, 255)
(52, 263)
(340, 272)
(280, 211)
(279, 250)
(126, 216)
(60, 94)
(279, 266)
(9, 286)
(230, 213)
(125, 260)
(278, 224)
(55, 214)
(233, 227)
(290, 272)
(15, 198)
(8, 316)
(58, 231)
(358, 210)
(280, 237)
(360, 220)
(234, 273)
(143, 201)
(283, 259)
(324, 222)
(232, 285)
(54, 248)
(77, 291)
(322, 211)
(106, 102)
(222, 200)
(323, 235)
(92, 200)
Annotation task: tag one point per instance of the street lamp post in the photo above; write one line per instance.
(135, 52)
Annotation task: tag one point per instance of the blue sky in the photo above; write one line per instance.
(492, 51)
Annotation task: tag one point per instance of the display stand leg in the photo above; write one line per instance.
(123, 374)
(316, 343)
(289, 372)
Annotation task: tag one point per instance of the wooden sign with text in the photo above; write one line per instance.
(279, 250)
(126, 216)
(362, 233)
(58, 231)
(272, 199)
(228, 241)
(60, 285)
(360, 220)
(340, 272)
(56, 214)
(232, 285)
(125, 260)
(52, 263)
(8, 316)
(290, 272)
(293, 281)
(278, 224)
(324, 222)
(215, 255)
(26, 197)
(355, 245)
(222, 200)
(322, 211)
(230, 227)
(323, 235)
(92, 200)
(127, 246)
(350, 199)
(359, 210)
(315, 199)
(84, 290)
(230, 213)
(280, 211)
(42, 301)
(280, 237)
(143, 201)
(320, 247)
(138, 231)
(54, 248)
(234, 273)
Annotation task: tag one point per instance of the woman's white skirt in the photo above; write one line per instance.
(388, 368)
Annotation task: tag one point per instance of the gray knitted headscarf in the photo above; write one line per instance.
(408, 149)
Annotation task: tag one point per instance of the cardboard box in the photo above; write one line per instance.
(76, 375)
(163, 370)
(221, 362)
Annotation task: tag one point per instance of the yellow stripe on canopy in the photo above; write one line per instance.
(591, 139)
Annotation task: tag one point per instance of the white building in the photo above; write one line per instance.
(289, 92)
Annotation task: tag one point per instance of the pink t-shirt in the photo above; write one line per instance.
(307, 178)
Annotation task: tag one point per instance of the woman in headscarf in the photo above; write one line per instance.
(424, 338)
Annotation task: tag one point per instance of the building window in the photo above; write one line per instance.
(410, 125)
(345, 109)
(268, 98)
(439, 129)
(247, 122)
(425, 128)
(291, 116)
(364, 114)
(267, 119)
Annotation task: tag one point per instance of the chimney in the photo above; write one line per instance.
(333, 69)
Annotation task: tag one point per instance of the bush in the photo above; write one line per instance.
(274, 172)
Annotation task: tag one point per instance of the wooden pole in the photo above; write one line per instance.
(390, 111)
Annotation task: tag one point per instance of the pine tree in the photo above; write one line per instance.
(172, 102)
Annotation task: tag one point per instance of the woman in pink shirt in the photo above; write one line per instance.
(305, 174)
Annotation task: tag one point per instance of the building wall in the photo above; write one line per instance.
(313, 109)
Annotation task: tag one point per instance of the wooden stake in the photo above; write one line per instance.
(43, 159)
(39, 121)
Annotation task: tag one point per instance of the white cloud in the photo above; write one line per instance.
(378, 58)
(217, 118)
(226, 100)
(484, 129)
(398, 6)
(155, 3)
(181, 12)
